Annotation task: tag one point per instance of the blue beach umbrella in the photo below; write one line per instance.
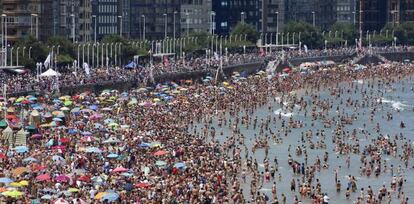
(21, 149)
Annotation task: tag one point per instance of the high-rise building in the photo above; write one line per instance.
(126, 17)
(108, 18)
(229, 12)
(195, 16)
(345, 11)
(400, 11)
(273, 15)
(85, 20)
(374, 14)
(20, 18)
(158, 17)
(320, 12)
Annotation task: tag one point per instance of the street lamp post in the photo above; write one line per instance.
(4, 34)
(173, 42)
(73, 28)
(30, 49)
(87, 51)
(277, 27)
(120, 26)
(187, 21)
(17, 56)
(94, 30)
(11, 56)
(165, 26)
(23, 51)
(143, 30)
(313, 18)
(242, 16)
(37, 25)
(213, 14)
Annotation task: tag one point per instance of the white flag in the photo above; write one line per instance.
(216, 55)
(86, 68)
(47, 61)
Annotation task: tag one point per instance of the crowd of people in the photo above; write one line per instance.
(29, 81)
(145, 146)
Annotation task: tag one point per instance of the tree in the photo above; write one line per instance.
(396, 31)
(37, 51)
(246, 29)
(310, 35)
(347, 31)
(66, 47)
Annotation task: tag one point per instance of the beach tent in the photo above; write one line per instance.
(21, 138)
(7, 135)
(50, 73)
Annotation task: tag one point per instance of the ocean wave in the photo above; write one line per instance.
(396, 105)
(283, 113)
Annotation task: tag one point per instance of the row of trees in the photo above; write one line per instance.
(242, 34)
(340, 34)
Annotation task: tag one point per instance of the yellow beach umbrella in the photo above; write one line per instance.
(100, 195)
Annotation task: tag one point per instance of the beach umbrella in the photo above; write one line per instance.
(179, 165)
(160, 153)
(86, 133)
(37, 168)
(75, 110)
(19, 170)
(95, 116)
(3, 123)
(62, 178)
(112, 155)
(144, 145)
(126, 174)
(87, 139)
(67, 103)
(64, 140)
(13, 193)
(24, 183)
(57, 119)
(156, 144)
(100, 195)
(108, 121)
(49, 190)
(84, 178)
(72, 131)
(142, 185)
(110, 197)
(29, 159)
(64, 109)
(113, 125)
(15, 184)
(73, 190)
(57, 158)
(111, 140)
(93, 150)
(5, 180)
(36, 136)
(21, 149)
(120, 169)
(43, 177)
(2, 156)
(46, 197)
(60, 201)
(160, 163)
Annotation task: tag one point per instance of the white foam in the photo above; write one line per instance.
(278, 99)
(359, 81)
(265, 189)
(396, 105)
(283, 113)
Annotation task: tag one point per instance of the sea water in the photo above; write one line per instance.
(396, 101)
